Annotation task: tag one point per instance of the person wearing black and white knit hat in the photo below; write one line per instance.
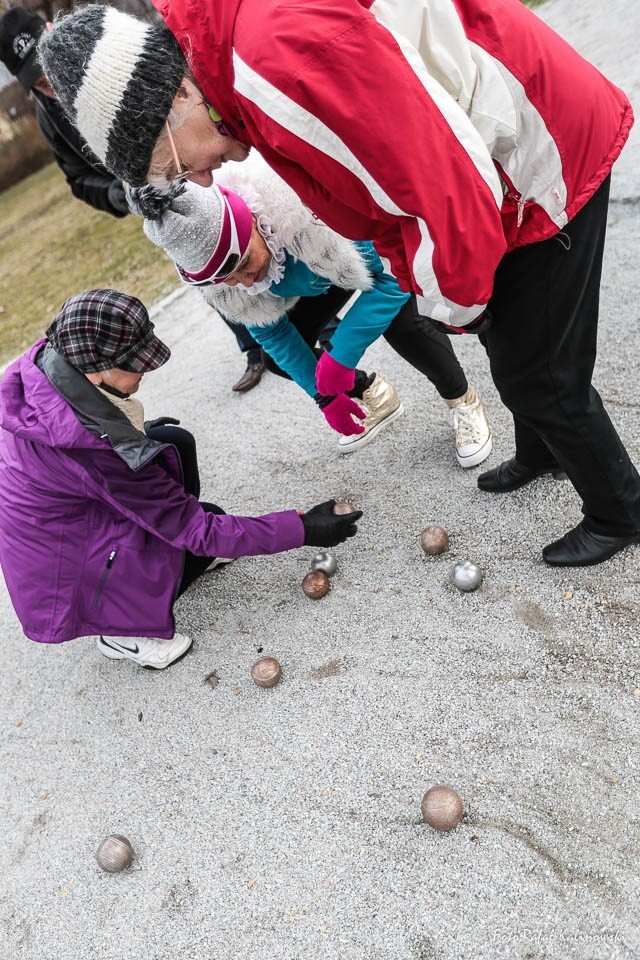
(147, 68)
(465, 145)
(124, 119)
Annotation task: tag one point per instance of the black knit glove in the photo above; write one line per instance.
(322, 528)
(160, 422)
(117, 197)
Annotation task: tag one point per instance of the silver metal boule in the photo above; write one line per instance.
(326, 562)
(467, 575)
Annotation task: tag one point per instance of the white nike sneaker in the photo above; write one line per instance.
(471, 429)
(219, 562)
(145, 651)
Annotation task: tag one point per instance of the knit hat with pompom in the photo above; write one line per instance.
(116, 78)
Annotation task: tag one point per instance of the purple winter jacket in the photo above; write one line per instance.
(94, 521)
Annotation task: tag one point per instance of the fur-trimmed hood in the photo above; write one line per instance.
(300, 233)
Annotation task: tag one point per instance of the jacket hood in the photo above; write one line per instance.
(32, 409)
(46, 400)
(301, 234)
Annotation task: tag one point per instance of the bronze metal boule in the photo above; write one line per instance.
(266, 672)
(342, 507)
(316, 584)
(115, 853)
(434, 540)
(442, 808)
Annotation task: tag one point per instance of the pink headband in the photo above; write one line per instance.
(233, 240)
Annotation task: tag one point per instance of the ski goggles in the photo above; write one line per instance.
(232, 245)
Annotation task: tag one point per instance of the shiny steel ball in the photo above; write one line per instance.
(434, 540)
(442, 808)
(316, 584)
(325, 562)
(467, 576)
(266, 672)
(115, 853)
(342, 507)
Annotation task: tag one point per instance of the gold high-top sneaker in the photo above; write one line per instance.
(382, 405)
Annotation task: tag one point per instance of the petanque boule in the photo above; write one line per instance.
(434, 540)
(325, 562)
(316, 584)
(467, 576)
(115, 853)
(342, 507)
(266, 672)
(442, 808)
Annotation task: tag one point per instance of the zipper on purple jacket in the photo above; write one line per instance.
(101, 582)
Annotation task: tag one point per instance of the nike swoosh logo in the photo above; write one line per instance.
(121, 646)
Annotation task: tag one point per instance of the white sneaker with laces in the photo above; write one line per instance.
(472, 431)
(145, 651)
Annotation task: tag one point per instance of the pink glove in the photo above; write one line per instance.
(333, 377)
(339, 413)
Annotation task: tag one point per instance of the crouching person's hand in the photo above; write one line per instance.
(322, 528)
(160, 422)
(342, 413)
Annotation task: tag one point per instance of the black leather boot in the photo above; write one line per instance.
(509, 475)
(250, 378)
(581, 547)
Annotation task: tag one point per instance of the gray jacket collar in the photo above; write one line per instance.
(101, 417)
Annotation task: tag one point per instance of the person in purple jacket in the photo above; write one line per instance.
(101, 528)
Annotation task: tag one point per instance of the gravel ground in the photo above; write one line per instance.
(284, 824)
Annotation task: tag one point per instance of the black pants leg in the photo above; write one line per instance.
(245, 342)
(425, 345)
(542, 350)
(185, 444)
(194, 566)
(417, 339)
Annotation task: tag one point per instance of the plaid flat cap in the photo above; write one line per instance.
(105, 330)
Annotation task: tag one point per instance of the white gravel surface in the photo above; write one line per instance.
(284, 824)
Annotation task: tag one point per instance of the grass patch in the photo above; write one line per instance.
(54, 245)
(23, 149)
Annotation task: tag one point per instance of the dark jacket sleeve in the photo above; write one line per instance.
(88, 179)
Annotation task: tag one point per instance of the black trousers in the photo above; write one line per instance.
(542, 350)
(245, 342)
(417, 339)
(185, 444)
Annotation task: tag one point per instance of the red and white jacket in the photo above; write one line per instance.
(446, 131)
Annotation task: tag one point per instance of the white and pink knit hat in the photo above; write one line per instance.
(205, 230)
